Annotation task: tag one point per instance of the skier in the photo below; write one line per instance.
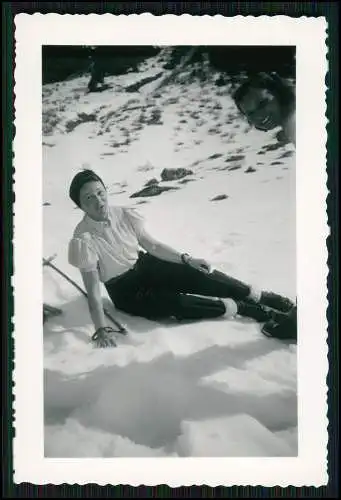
(155, 282)
(268, 102)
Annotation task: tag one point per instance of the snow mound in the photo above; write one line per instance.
(236, 436)
(74, 440)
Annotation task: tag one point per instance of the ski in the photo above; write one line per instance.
(48, 262)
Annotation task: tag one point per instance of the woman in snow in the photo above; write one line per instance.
(147, 278)
(268, 102)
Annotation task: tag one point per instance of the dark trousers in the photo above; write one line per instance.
(157, 289)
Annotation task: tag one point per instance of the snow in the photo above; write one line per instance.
(209, 388)
(237, 436)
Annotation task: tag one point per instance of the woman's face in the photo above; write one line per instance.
(93, 200)
(261, 108)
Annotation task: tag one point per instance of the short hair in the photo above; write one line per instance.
(274, 84)
(78, 182)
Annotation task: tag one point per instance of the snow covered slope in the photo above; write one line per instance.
(211, 388)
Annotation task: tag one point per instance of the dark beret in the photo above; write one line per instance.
(78, 182)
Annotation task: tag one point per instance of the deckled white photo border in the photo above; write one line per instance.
(309, 37)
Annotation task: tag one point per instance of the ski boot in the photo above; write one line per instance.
(286, 329)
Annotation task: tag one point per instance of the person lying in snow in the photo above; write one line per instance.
(155, 282)
(268, 102)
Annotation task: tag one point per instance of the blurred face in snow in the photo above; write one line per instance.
(261, 108)
(93, 200)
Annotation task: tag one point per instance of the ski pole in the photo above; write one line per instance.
(47, 262)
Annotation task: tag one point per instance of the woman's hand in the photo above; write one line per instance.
(103, 337)
(199, 264)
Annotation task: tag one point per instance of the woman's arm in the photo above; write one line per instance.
(158, 249)
(165, 252)
(103, 336)
(92, 286)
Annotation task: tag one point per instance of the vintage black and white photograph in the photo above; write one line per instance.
(169, 254)
(169, 198)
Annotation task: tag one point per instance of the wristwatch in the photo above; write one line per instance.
(97, 332)
(185, 257)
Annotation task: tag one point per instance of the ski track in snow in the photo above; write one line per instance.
(210, 388)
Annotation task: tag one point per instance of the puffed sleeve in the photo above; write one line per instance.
(82, 254)
(135, 219)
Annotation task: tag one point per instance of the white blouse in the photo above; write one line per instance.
(111, 247)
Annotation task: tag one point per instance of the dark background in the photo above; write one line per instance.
(62, 62)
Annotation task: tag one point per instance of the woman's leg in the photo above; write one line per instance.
(156, 304)
(185, 279)
(141, 292)
(133, 298)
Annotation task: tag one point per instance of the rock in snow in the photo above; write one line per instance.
(152, 190)
(172, 174)
(219, 197)
(151, 182)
